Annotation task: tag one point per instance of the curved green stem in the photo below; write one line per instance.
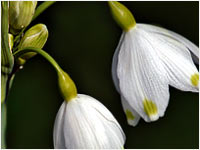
(42, 8)
(66, 84)
(39, 51)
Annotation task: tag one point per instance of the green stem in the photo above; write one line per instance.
(7, 60)
(3, 125)
(66, 84)
(38, 51)
(42, 8)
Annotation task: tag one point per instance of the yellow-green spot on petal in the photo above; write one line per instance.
(150, 107)
(195, 79)
(129, 115)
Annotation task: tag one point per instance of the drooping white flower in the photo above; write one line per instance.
(82, 122)
(147, 60)
(85, 123)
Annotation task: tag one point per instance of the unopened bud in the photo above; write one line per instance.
(36, 37)
(20, 14)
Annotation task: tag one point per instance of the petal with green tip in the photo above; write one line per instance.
(131, 115)
(141, 73)
(175, 57)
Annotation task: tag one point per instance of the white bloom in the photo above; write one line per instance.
(147, 60)
(85, 123)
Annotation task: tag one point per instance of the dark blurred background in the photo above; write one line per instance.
(82, 39)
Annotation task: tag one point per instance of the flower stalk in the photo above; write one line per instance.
(67, 87)
(18, 15)
(7, 59)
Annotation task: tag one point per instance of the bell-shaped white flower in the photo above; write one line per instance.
(85, 123)
(82, 122)
(147, 60)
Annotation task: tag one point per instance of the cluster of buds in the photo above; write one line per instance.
(20, 16)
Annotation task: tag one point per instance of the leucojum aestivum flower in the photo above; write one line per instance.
(147, 60)
(82, 122)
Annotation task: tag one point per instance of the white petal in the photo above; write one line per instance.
(131, 115)
(142, 77)
(58, 133)
(177, 60)
(188, 44)
(88, 124)
(115, 62)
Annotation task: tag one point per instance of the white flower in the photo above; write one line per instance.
(147, 60)
(85, 123)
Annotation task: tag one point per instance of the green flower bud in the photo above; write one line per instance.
(122, 15)
(20, 14)
(36, 37)
(10, 41)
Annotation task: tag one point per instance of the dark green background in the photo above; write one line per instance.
(82, 38)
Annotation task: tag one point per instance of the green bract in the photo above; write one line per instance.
(122, 15)
(67, 86)
(20, 14)
(36, 37)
